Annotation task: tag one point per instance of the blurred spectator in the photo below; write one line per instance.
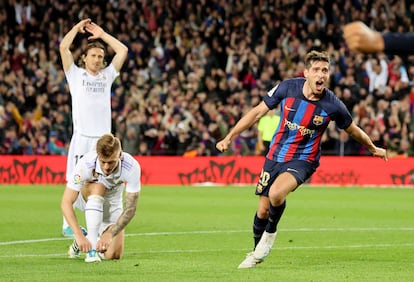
(55, 146)
(42, 146)
(11, 142)
(267, 126)
(377, 70)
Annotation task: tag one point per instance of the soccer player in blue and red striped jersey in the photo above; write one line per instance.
(307, 106)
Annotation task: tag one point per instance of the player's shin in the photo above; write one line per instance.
(259, 226)
(275, 213)
(94, 217)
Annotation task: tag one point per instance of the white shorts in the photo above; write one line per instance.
(111, 213)
(79, 146)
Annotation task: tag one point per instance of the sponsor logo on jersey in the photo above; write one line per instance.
(303, 130)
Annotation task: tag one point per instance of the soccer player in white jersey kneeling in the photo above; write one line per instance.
(96, 187)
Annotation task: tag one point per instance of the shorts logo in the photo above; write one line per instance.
(291, 169)
(259, 188)
(76, 178)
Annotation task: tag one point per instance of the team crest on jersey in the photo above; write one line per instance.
(317, 120)
(76, 178)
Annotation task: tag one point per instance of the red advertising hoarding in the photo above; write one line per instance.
(218, 170)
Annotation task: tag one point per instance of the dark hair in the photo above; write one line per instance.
(107, 145)
(315, 56)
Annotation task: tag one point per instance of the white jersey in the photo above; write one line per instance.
(91, 100)
(127, 174)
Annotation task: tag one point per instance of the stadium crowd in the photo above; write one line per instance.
(195, 67)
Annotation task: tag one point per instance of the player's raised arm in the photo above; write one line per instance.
(121, 51)
(64, 47)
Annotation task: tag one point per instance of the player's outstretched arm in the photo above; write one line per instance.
(250, 118)
(131, 202)
(359, 37)
(68, 198)
(359, 135)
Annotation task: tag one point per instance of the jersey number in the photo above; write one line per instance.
(77, 158)
(264, 178)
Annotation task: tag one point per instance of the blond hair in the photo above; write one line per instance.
(107, 145)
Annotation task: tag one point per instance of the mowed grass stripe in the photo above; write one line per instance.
(275, 249)
(28, 241)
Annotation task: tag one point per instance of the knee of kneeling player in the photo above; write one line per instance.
(114, 255)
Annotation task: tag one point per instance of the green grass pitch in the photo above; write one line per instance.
(184, 233)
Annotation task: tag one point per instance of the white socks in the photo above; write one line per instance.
(94, 217)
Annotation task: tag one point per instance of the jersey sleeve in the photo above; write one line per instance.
(133, 176)
(342, 117)
(398, 43)
(275, 95)
(111, 72)
(70, 74)
(80, 175)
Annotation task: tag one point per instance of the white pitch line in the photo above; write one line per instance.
(226, 250)
(223, 232)
(281, 230)
(32, 241)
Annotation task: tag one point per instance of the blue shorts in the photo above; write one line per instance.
(301, 170)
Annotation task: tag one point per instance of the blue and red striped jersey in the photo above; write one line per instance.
(302, 121)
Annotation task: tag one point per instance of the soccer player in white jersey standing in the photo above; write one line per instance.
(90, 88)
(96, 187)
